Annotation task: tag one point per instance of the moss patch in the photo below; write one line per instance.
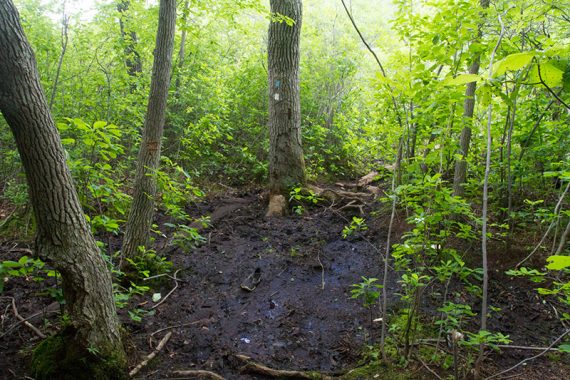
(378, 371)
(59, 357)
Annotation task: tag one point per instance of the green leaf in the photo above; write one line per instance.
(565, 347)
(557, 262)
(99, 124)
(11, 264)
(550, 74)
(512, 62)
(68, 141)
(485, 95)
(156, 297)
(461, 79)
(62, 126)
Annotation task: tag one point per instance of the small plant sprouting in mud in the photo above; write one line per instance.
(369, 292)
(301, 196)
(356, 225)
(188, 238)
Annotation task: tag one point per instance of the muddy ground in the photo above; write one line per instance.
(299, 316)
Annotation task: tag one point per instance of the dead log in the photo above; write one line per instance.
(367, 179)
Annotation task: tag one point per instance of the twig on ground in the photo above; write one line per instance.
(547, 349)
(528, 348)
(261, 369)
(558, 316)
(22, 250)
(433, 342)
(182, 325)
(151, 356)
(156, 276)
(428, 368)
(199, 373)
(6, 219)
(322, 270)
(163, 275)
(25, 322)
(170, 292)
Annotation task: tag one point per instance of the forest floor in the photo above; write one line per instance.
(300, 315)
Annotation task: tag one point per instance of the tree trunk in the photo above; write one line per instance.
(133, 58)
(460, 176)
(64, 41)
(64, 239)
(182, 50)
(142, 208)
(286, 162)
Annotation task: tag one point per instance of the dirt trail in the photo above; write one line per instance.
(300, 314)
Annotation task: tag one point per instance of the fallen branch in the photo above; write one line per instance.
(547, 349)
(170, 292)
(199, 373)
(151, 356)
(9, 329)
(25, 322)
(261, 369)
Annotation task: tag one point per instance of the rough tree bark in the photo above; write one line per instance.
(142, 208)
(460, 175)
(286, 162)
(63, 239)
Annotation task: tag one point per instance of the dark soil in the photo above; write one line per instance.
(300, 315)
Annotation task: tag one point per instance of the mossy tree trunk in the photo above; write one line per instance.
(64, 238)
(142, 208)
(286, 162)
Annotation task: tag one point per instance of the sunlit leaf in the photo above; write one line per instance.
(461, 79)
(558, 262)
(512, 62)
(551, 75)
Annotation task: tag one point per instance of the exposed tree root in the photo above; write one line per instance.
(260, 369)
(277, 206)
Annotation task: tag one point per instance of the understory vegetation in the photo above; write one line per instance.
(383, 122)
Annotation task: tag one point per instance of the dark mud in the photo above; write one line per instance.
(299, 316)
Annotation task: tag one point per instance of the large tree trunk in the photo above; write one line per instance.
(142, 208)
(63, 239)
(286, 162)
(460, 175)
